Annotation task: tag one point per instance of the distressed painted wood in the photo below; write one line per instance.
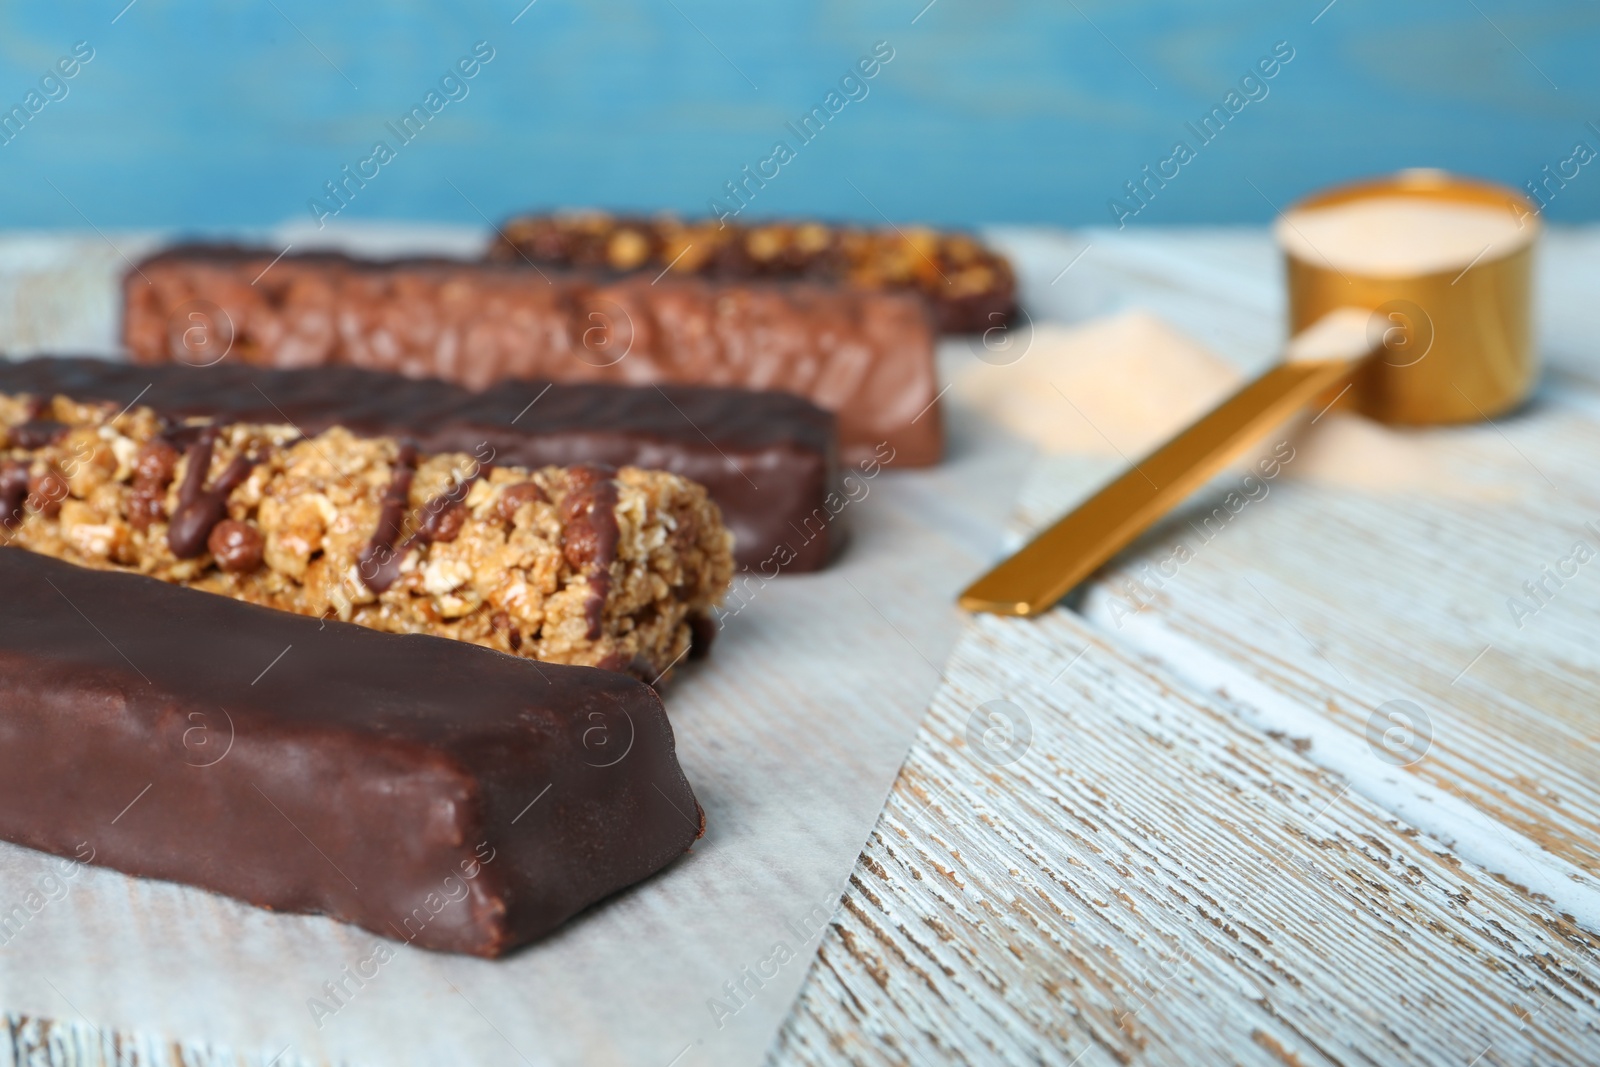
(1360, 598)
(983, 922)
(1154, 882)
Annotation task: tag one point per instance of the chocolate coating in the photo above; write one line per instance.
(513, 497)
(155, 463)
(444, 514)
(422, 788)
(867, 356)
(46, 490)
(768, 459)
(237, 547)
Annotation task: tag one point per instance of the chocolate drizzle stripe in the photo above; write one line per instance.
(438, 523)
(380, 560)
(182, 436)
(194, 477)
(379, 563)
(13, 491)
(37, 433)
(200, 508)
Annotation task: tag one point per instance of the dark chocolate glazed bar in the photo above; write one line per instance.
(768, 459)
(427, 790)
(866, 356)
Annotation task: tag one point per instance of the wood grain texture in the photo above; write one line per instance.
(30, 1042)
(1362, 598)
(1153, 882)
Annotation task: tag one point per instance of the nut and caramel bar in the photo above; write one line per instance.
(768, 459)
(580, 565)
(971, 287)
(866, 356)
(429, 791)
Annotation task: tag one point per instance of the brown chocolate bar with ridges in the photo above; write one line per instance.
(429, 791)
(971, 287)
(866, 356)
(583, 564)
(768, 459)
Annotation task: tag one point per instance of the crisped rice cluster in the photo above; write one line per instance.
(577, 565)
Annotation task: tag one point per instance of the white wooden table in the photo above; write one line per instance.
(1207, 854)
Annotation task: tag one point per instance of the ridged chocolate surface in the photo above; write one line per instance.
(866, 356)
(304, 766)
(767, 458)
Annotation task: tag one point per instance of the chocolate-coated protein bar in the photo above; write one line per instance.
(427, 790)
(867, 356)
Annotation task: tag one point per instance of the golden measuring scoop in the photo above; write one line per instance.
(1395, 312)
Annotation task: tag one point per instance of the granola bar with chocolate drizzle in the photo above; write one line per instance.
(585, 565)
(971, 287)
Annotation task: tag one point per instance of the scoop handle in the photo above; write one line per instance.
(1048, 567)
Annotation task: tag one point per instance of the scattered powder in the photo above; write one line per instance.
(1133, 381)
(1356, 453)
(1115, 385)
(1352, 451)
(1399, 235)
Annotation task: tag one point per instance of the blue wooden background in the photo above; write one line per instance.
(215, 113)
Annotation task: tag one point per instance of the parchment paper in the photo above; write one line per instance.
(791, 734)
